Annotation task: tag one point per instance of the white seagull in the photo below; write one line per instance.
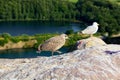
(91, 29)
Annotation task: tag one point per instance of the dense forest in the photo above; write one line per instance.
(36, 10)
(106, 13)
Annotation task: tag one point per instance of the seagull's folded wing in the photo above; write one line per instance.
(88, 30)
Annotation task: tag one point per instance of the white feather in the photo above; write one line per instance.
(91, 29)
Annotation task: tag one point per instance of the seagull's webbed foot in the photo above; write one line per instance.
(38, 52)
(58, 52)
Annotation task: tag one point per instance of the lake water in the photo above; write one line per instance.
(27, 53)
(34, 27)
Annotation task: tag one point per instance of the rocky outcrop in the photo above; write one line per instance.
(89, 42)
(88, 64)
(20, 44)
(93, 63)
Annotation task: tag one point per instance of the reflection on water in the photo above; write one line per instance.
(26, 53)
(37, 27)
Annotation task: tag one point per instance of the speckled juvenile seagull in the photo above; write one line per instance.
(53, 44)
(91, 29)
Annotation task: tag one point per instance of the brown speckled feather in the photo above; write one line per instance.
(53, 43)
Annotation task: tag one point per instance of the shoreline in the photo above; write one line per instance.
(18, 45)
(32, 41)
(64, 20)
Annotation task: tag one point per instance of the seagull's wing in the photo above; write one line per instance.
(53, 40)
(53, 43)
(88, 30)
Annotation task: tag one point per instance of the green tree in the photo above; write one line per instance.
(103, 12)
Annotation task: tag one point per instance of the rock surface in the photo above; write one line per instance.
(93, 63)
(89, 42)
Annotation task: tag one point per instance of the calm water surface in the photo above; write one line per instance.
(27, 53)
(34, 27)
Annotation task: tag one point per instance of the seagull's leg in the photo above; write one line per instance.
(52, 53)
(91, 35)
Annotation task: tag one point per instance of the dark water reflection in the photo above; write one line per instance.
(37, 27)
(27, 53)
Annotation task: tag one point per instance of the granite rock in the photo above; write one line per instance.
(92, 63)
(89, 42)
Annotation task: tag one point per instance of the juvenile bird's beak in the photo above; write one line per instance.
(98, 24)
(66, 37)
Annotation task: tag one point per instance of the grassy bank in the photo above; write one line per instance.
(40, 38)
(5, 38)
(73, 1)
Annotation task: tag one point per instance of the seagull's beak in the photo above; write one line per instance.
(98, 24)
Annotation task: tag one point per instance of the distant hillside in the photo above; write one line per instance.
(115, 1)
(73, 0)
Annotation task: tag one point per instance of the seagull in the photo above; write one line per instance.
(91, 29)
(53, 44)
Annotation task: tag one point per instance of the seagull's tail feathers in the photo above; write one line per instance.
(83, 32)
